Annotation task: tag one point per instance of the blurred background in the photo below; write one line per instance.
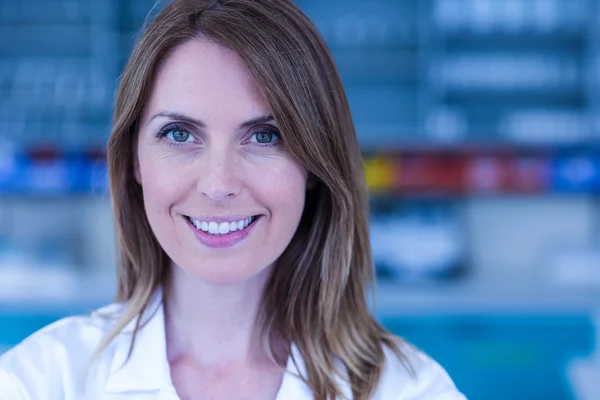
(480, 126)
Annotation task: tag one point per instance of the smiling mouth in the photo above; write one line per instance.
(222, 228)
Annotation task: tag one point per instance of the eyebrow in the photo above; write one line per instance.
(184, 118)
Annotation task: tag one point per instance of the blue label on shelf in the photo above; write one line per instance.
(580, 174)
(59, 176)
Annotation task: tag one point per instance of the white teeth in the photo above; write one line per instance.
(213, 227)
(224, 228)
(195, 222)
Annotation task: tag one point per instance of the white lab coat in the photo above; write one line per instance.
(52, 363)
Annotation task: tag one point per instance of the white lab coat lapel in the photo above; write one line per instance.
(147, 369)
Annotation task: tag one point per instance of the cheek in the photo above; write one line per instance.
(283, 189)
(161, 184)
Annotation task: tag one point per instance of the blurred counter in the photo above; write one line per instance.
(65, 291)
(57, 291)
(471, 297)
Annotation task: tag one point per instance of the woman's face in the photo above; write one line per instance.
(221, 194)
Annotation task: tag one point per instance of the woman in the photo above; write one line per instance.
(237, 187)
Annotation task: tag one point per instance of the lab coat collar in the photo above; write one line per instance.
(147, 369)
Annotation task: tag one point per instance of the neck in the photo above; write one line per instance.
(213, 324)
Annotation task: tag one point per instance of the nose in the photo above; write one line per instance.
(219, 175)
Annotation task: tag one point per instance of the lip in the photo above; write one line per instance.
(233, 218)
(222, 241)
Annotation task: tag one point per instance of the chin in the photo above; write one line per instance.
(219, 274)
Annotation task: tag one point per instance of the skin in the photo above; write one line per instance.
(221, 169)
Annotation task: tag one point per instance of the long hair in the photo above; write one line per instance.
(316, 297)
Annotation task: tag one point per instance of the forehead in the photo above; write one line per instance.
(204, 79)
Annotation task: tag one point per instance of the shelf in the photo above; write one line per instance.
(571, 40)
(499, 172)
(471, 298)
(516, 97)
(55, 175)
(66, 291)
(412, 168)
(50, 290)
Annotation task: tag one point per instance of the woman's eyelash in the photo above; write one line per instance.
(171, 135)
(173, 128)
(170, 128)
(271, 130)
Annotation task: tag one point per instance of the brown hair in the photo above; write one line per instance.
(316, 299)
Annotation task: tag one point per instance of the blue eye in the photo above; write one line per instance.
(177, 134)
(267, 136)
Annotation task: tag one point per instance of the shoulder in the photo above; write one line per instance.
(45, 363)
(416, 377)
